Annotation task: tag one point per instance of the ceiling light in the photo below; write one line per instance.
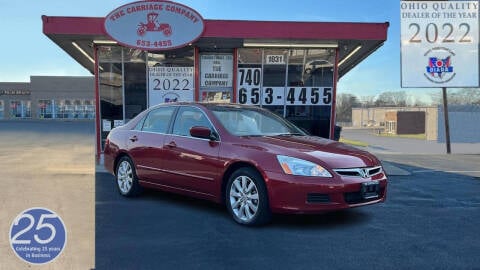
(104, 42)
(83, 52)
(289, 45)
(350, 54)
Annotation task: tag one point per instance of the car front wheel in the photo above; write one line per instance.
(126, 177)
(246, 197)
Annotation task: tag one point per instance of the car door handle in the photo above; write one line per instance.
(133, 138)
(171, 144)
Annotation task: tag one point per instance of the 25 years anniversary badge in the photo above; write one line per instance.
(38, 235)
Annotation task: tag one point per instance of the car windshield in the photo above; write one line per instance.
(251, 121)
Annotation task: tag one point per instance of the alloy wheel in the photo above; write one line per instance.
(125, 177)
(244, 199)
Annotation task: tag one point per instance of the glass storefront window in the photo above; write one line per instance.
(110, 79)
(294, 83)
(171, 76)
(2, 106)
(20, 109)
(77, 109)
(69, 109)
(59, 110)
(310, 89)
(26, 108)
(135, 82)
(15, 109)
(89, 112)
(45, 109)
(109, 54)
(249, 76)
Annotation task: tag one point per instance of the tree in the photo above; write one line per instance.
(464, 96)
(344, 105)
(367, 101)
(392, 98)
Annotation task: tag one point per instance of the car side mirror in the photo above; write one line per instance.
(202, 132)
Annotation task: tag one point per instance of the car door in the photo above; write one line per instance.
(146, 145)
(192, 163)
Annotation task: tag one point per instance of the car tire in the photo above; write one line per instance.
(246, 197)
(126, 178)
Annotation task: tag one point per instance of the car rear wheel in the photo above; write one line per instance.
(127, 181)
(246, 197)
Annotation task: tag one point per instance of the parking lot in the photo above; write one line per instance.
(430, 220)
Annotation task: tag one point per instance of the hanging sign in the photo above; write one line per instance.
(170, 84)
(154, 25)
(216, 70)
(439, 43)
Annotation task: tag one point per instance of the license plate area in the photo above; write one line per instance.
(370, 190)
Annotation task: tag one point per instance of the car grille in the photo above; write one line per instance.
(356, 197)
(360, 172)
(318, 198)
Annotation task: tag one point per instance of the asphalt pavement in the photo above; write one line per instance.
(429, 221)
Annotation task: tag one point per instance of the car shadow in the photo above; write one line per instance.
(326, 220)
(347, 217)
(182, 201)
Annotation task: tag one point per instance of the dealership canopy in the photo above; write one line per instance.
(77, 35)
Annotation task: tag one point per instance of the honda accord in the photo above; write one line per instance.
(246, 157)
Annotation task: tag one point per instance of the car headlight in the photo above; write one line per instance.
(296, 166)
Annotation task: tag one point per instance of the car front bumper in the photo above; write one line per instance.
(300, 194)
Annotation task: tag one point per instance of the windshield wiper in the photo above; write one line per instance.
(290, 134)
(252, 135)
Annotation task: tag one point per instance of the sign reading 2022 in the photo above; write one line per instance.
(171, 84)
(251, 92)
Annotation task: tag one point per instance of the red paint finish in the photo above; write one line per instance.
(196, 94)
(199, 167)
(235, 75)
(295, 30)
(238, 29)
(97, 108)
(334, 99)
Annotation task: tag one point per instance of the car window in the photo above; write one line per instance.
(188, 117)
(158, 120)
(139, 124)
(253, 122)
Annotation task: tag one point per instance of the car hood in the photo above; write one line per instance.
(332, 153)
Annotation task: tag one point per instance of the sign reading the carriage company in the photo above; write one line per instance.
(154, 25)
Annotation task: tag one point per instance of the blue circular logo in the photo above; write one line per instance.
(38, 235)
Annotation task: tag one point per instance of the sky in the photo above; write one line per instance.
(26, 51)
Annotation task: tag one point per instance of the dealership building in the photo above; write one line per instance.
(48, 97)
(152, 52)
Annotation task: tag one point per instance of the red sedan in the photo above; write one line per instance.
(248, 158)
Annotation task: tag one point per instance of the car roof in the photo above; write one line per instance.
(207, 105)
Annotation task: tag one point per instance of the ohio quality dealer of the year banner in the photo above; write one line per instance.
(439, 43)
(170, 84)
